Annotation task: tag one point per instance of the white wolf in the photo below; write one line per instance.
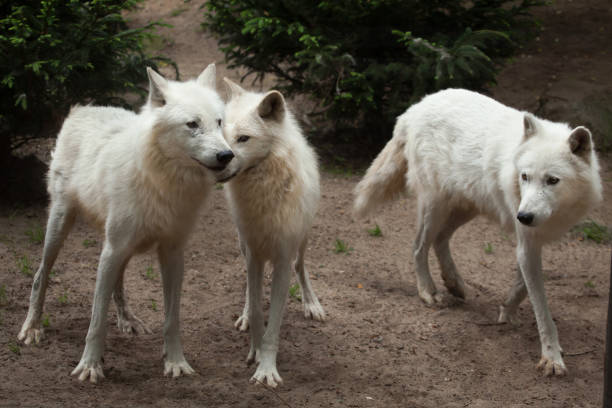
(273, 200)
(465, 154)
(142, 178)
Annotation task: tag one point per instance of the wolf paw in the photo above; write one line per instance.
(242, 323)
(91, 370)
(552, 366)
(176, 368)
(507, 316)
(455, 286)
(431, 298)
(132, 325)
(30, 334)
(314, 311)
(267, 375)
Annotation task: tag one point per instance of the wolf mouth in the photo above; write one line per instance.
(213, 168)
(231, 176)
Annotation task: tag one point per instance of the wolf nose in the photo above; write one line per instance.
(225, 156)
(525, 217)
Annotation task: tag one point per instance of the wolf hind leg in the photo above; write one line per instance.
(62, 214)
(310, 302)
(127, 321)
(431, 214)
(452, 279)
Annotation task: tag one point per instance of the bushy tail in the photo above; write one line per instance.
(385, 179)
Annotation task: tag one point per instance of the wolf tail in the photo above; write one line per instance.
(386, 177)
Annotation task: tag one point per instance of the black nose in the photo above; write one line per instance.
(225, 156)
(525, 217)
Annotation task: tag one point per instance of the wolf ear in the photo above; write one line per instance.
(233, 89)
(158, 86)
(529, 126)
(580, 142)
(208, 77)
(272, 107)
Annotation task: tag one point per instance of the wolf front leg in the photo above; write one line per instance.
(109, 268)
(266, 372)
(242, 323)
(255, 271)
(530, 262)
(172, 268)
(507, 311)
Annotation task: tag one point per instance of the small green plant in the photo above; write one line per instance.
(63, 298)
(294, 292)
(45, 321)
(25, 266)
(341, 247)
(36, 234)
(87, 243)
(589, 284)
(149, 273)
(154, 305)
(14, 348)
(488, 248)
(375, 232)
(595, 232)
(178, 11)
(219, 186)
(339, 170)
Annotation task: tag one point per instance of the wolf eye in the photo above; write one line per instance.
(524, 176)
(243, 138)
(192, 125)
(551, 181)
(219, 122)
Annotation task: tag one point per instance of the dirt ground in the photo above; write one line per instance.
(381, 346)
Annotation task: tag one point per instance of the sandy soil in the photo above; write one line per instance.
(381, 346)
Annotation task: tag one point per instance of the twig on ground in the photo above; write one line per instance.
(579, 353)
(274, 392)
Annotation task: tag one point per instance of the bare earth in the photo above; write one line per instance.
(381, 346)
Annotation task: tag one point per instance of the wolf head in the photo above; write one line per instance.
(558, 174)
(254, 123)
(188, 122)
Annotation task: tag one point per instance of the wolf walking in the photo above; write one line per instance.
(142, 178)
(464, 154)
(273, 200)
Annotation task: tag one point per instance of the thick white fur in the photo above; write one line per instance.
(273, 201)
(465, 154)
(142, 178)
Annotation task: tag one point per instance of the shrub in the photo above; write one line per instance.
(365, 61)
(54, 54)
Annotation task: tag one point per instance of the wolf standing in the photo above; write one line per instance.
(465, 154)
(142, 178)
(273, 200)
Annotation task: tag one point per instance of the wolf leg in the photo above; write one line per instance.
(530, 262)
(310, 302)
(267, 372)
(452, 279)
(255, 271)
(127, 321)
(242, 323)
(518, 292)
(61, 219)
(429, 215)
(172, 269)
(113, 256)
